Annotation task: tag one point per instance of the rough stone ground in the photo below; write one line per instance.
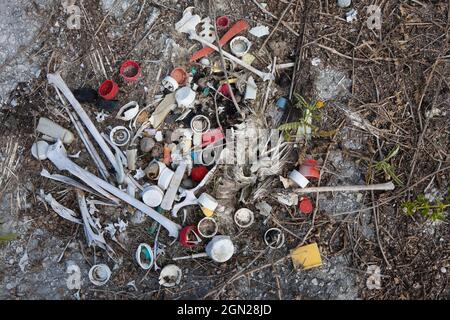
(20, 27)
(34, 266)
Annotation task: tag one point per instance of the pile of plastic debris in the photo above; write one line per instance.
(212, 115)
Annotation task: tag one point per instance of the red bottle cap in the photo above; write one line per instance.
(186, 236)
(225, 89)
(108, 90)
(130, 70)
(180, 75)
(309, 169)
(306, 206)
(223, 22)
(198, 173)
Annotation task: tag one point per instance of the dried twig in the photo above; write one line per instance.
(286, 25)
(280, 20)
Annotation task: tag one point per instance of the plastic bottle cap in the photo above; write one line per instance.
(185, 234)
(154, 169)
(207, 227)
(185, 96)
(240, 46)
(144, 252)
(165, 178)
(108, 90)
(223, 22)
(305, 205)
(274, 238)
(99, 274)
(170, 276)
(244, 218)
(220, 249)
(128, 112)
(200, 124)
(198, 173)
(120, 136)
(282, 103)
(39, 150)
(180, 75)
(130, 70)
(152, 196)
(208, 202)
(170, 83)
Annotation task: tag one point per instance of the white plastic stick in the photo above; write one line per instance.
(194, 256)
(58, 82)
(371, 187)
(57, 154)
(171, 193)
(76, 184)
(89, 146)
(263, 75)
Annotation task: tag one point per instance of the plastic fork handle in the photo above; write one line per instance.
(238, 27)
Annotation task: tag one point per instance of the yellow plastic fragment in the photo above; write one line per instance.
(207, 212)
(231, 80)
(320, 104)
(306, 257)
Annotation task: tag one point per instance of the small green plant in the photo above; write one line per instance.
(310, 112)
(434, 211)
(388, 169)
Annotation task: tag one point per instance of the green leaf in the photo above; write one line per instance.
(438, 216)
(425, 212)
(393, 153)
(290, 126)
(408, 208)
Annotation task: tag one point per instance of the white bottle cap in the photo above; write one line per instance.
(155, 167)
(185, 97)
(170, 83)
(39, 150)
(244, 218)
(170, 276)
(128, 112)
(152, 196)
(99, 274)
(240, 46)
(205, 200)
(143, 247)
(203, 229)
(220, 249)
(269, 240)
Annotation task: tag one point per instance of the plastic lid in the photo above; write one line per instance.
(306, 206)
(152, 196)
(220, 249)
(198, 173)
(185, 96)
